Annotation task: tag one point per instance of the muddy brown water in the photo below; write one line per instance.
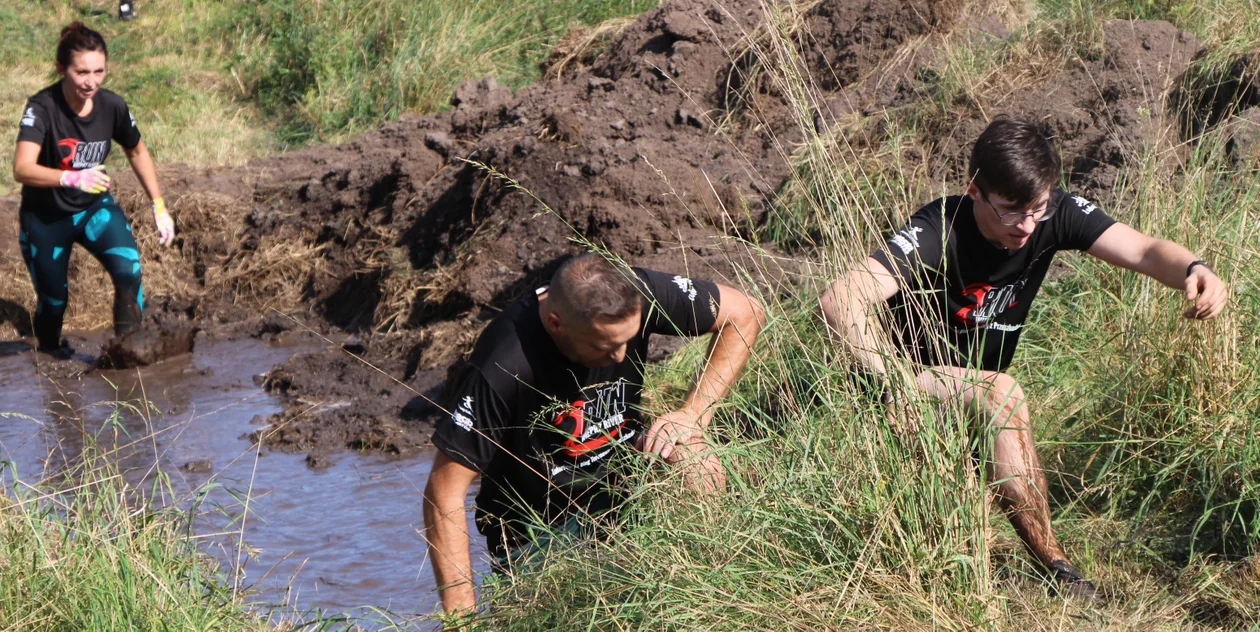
(335, 539)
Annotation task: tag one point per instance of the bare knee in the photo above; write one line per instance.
(1004, 402)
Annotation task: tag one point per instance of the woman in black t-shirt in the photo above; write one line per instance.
(63, 140)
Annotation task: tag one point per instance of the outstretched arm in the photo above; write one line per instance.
(1166, 262)
(446, 529)
(739, 320)
(846, 307)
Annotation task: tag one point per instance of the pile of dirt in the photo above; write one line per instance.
(662, 149)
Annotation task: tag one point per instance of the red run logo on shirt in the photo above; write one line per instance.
(81, 155)
(589, 425)
(987, 302)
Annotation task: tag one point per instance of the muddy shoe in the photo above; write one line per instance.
(63, 352)
(1068, 582)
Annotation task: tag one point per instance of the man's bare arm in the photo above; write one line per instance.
(1165, 262)
(739, 320)
(446, 529)
(846, 306)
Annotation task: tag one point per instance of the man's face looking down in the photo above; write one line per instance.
(591, 344)
(1004, 223)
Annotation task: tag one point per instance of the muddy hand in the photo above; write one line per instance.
(1208, 292)
(667, 431)
(93, 180)
(165, 225)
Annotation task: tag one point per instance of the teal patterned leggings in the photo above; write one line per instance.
(102, 229)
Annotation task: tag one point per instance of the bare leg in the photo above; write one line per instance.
(996, 399)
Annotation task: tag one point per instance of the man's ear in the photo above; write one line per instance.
(972, 190)
(552, 321)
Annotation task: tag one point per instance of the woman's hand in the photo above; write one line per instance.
(93, 180)
(165, 225)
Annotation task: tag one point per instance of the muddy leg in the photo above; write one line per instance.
(1021, 488)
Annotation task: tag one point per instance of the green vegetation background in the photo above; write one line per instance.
(1149, 425)
(221, 82)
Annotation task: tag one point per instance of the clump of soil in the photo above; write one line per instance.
(661, 149)
(157, 339)
(337, 400)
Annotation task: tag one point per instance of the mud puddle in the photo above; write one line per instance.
(331, 540)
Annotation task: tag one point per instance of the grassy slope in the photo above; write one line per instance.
(221, 82)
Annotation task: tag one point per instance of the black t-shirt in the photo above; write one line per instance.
(72, 143)
(541, 428)
(949, 273)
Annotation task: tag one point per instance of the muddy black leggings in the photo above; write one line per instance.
(46, 240)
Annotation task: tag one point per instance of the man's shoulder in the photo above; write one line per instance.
(500, 353)
(943, 207)
(1072, 202)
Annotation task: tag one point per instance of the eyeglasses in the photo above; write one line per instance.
(1016, 218)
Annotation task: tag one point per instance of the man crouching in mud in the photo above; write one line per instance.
(553, 390)
(970, 266)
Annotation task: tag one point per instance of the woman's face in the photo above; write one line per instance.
(84, 75)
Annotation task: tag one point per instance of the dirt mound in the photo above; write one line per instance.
(661, 149)
(336, 401)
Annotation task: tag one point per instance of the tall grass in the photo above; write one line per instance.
(87, 552)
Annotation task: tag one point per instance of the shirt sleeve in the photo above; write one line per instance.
(473, 432)
(34, 124)
(916, 249)
(126, 133)
(677, 305)
(1081, 224)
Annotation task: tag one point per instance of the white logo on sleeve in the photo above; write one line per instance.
(463, 415)
(1085, 205)
(907, 239)
(686, 286)
(28, 119)
(132, 117)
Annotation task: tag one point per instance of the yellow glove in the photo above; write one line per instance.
(165, 225)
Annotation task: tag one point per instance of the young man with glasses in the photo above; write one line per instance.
(959, 279)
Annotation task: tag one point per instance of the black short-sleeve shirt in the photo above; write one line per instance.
(541, 428)
(72, 143)
(949, 273)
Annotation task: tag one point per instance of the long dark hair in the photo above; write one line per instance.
(77, 38)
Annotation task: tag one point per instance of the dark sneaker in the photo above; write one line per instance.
(63, 352)
(126, 10)
(1069, 582)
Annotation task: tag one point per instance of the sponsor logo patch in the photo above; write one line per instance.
(28, 119)
(907, 239)
(1085, 205)
(463, 415)
(686, 286)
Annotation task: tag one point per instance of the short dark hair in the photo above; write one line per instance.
(1013, 159)
(590, 288)
(77, 37)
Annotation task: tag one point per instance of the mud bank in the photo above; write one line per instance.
(666, 148)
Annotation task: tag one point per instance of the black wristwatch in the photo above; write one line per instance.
(1198, 262)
